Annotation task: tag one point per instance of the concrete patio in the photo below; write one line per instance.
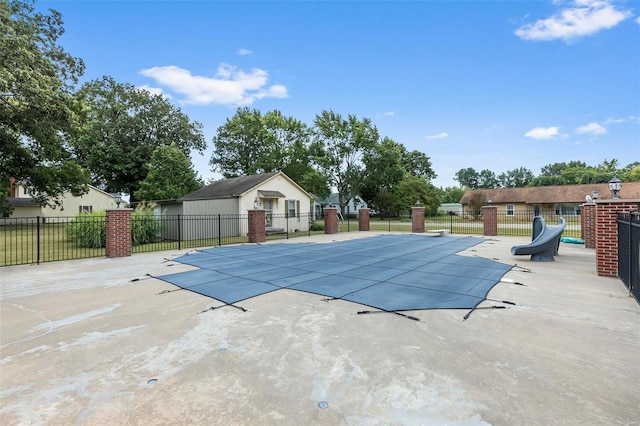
(92, 342)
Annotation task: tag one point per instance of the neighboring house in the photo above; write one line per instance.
(356, 203)
(287, 205)
(563, 200)
(25, 206)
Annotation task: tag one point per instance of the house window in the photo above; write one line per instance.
(85, 209)
(511, 210)
(28, 191)
(293, 207)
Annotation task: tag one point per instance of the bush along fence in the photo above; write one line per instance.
(39, 239)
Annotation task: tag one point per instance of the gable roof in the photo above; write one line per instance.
(552, 194)
(236, 187)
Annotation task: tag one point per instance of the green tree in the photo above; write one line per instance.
(384, 170)
(545, 180)
(250, 143)
(477, 200)
(412, 190)
(241, 145)
(487, 179)
(37, 106)
(631, 172)
(344, 141)
(468, 178)
(516, 178)
(170, 175)
(124, 126)
(417, 163)
(452, 194)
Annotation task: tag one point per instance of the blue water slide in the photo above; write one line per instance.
(545, 243)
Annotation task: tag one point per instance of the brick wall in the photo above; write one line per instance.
(364, 216)
(330, 220)
(490, 219)
(118, 232)
(588, 225)
(606, 234)
(417, 219)
(257, 226)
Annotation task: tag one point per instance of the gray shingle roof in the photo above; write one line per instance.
(228, 188)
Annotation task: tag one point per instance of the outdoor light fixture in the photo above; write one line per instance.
(418, 203)
(595, 194)
(256, 203)
(615, 185)
(118, 200)
(490, 201)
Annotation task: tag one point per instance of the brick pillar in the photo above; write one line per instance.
(364, 217)
(607, 234)
(257, 226)
(330, 220)
(118, 232)
(588, 225)
(417, 220)
(490, 219)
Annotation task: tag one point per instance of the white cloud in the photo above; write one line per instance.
(438, 136)
(542, 132)
(582, 18)
(591, 129)
(244, 52)
(153, 90)
(614, 120)
(229, 86)
(638, 20)
(386, 114)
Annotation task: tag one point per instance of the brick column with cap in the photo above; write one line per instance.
(364, 216)
(257, 226)
(607, 234)
(490, 219)
(118, 232)
(417, 220)
(588, 225)
(330, 220)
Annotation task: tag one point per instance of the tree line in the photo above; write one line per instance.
(572, 173)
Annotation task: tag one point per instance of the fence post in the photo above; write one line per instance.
(38, 240)
(330, 220)
(607, 234)
(118, 232)
(219, 230)
(257, 228)
(588, 225)
(490, 220)
(417, 219)
(364, 216)
(179, 233)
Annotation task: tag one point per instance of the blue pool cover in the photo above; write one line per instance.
(387, 272)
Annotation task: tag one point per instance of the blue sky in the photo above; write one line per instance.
(485, 84)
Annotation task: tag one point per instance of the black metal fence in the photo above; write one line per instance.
(39, 239)
(629, 251)
(44, 239)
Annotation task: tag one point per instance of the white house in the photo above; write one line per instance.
(25, 206)
(287, 205)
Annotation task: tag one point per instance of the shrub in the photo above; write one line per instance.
(88, 230)
(145, 226)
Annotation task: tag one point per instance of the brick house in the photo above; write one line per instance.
(564, 200)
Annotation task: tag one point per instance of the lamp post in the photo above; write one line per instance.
(118, 200)
(615, 185)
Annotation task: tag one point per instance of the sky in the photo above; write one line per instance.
(492, 85)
